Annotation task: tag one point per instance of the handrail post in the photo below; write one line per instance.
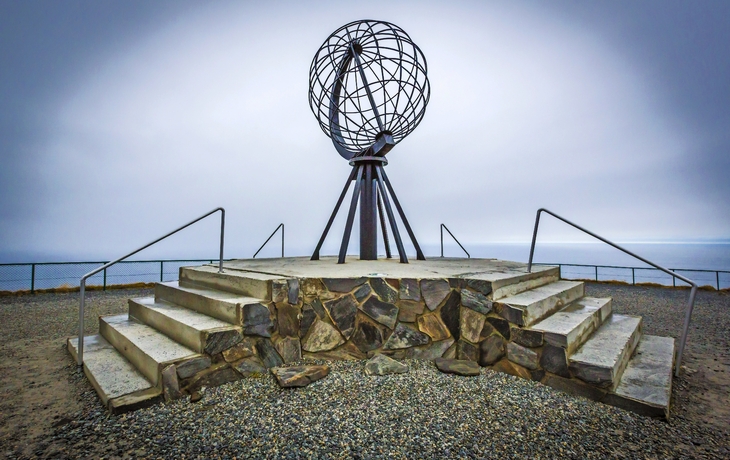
(162, 270)
(534, 237)
(685, 330)
(442, 239)
(282, 240)
(80, 354)
(633, 276)
(104, 287)
(223, 228)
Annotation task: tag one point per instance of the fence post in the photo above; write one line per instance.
(32, 278)
(162, 262)
(104, 288)
(633, 277)
(596, 272)
(560, 271)
(717, 279)
(674, 279)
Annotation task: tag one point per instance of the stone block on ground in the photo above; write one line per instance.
(250, 367)
(299, 376)
(508, 367)
(268, 354)
(467, 351)
(431, 352)
(457, 366)
(383, 365)
(289, 348)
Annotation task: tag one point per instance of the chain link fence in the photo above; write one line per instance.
(67, 275)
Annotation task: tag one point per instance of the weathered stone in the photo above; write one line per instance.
(574, 387)
(268, 354)
(487, 330)
(311, 286)
(457, 283)
(554, 360)
(279, 291)
(451, 351)
(342, 284)
(288, 317)
(467, 351)
(433, 326)
(434, 292)
(430, 352)
(475, 301)
(195, 396)
(244, 349)
(537, 374)
(522, 356)
(457, 366)
(492, 349)
(501, 325)
(367, 336)
(299, 376)
(187, 369)
(215, 376)
(383, 290)
(362, 292)
(482, 286)
(450, 314)
(409, 289)
(405, 337)
(472, 323)
(293, 291)
(250, 367)
(408, 310)
(216, 342)
(527, 337)
(382, 365)
(319, 309)
(256, 320)
(308, 317)
(511, 368)
(289, 348)
(347, 352)
(382, 312)
(170, 385)
(322, 337)
(342, 312)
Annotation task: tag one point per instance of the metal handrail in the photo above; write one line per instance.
(82, 287)
(281, 226)
(452, 236)
(692, 293)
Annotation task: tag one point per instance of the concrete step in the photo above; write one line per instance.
(512, 284)
(571, 326)
(531, 306)
(604, 356)
(646, 385)
(199, 332)
(147, 349)
(246, 283)
(222, 305)
(118, 383)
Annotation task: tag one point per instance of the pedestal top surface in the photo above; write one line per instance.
(436, 267)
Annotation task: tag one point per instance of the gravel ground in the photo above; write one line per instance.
(421, 414)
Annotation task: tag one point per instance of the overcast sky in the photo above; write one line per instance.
(120, 120)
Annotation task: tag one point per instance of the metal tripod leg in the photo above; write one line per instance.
(383, 227)
(315, 255)
(419, 253)
(351, 215)
(391, 217)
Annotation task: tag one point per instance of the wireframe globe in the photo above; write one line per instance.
(368, 82)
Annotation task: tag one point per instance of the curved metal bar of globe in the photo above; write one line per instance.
(383, 227)
(393, 226)
(351, 215)
(334, 112)
(367, 87)
(315, 255)
(419, 253)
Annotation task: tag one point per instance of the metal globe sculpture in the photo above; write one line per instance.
(368, 82)
(368, 89)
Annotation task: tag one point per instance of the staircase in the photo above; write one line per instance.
(211, 328)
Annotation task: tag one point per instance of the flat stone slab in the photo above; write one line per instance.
(646, 385)
(434, 268)
(299, 376)
(572, 325)
(531, 306)
(457, 366)
(384, 365)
